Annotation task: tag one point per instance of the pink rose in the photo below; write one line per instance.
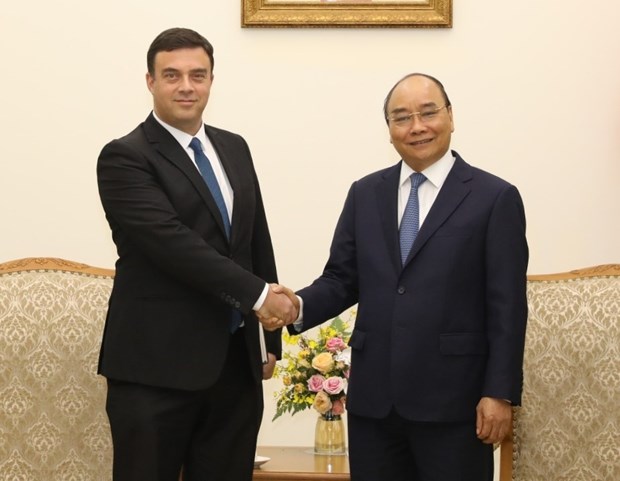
(338, 407)
(315, 383)
(333, 385)
(335, 344)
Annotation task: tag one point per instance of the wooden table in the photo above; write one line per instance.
(300, 464)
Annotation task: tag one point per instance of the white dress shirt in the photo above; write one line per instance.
(207, 147)
(435, 174)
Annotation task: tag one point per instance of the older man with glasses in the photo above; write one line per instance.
(434, 252)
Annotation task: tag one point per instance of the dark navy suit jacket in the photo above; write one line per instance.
(435, 335)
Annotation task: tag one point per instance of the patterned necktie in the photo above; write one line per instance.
(410, 223)
(209, 177)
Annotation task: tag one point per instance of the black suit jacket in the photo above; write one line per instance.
(177, 275)
(435, 335)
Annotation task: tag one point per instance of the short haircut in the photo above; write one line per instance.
(175, 39)
(431, 78)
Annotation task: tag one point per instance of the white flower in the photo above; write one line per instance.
(344, 356)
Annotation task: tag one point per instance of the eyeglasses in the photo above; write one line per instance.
(425, 116)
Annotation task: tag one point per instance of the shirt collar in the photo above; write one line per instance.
(435, 173)
(181, 137)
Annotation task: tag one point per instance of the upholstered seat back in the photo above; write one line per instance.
(53, 424)
(568, 428)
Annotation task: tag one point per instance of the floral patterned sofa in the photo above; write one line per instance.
(568, 428)
(53, 425)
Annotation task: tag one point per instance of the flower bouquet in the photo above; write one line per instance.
(316, 374)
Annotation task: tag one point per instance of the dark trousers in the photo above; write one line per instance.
(210, 434)
(397, 449)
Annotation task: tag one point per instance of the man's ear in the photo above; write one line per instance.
(149, 82)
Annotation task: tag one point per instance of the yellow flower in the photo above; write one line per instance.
(324, 362)
(311, 358)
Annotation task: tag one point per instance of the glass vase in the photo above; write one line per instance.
(329, 435)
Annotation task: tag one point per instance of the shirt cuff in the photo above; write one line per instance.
(298, 324)
(261, 299)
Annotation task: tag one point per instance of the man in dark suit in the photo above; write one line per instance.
(438, 341)
(181, 346)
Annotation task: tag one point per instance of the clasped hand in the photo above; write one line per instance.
(281, 307)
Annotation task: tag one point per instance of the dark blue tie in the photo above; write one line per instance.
(209, 176)
(410, 223)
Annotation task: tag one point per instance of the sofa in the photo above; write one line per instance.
(568, 426)
(53, 425)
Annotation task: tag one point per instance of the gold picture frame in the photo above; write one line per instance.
(346, 13)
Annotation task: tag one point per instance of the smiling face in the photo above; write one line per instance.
(421, 141)
(180, 84)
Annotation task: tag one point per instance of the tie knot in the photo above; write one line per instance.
(195, 145)
(416, 179)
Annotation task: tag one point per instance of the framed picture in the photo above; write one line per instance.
(346, 13)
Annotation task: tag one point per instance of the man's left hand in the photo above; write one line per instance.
(493, 418)
(269, 366)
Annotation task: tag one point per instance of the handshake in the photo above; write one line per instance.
(281, 308)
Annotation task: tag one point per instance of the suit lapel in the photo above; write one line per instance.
(164, 143)
(454, 190)
(387, 200)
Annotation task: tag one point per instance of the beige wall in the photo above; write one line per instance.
(535, 89)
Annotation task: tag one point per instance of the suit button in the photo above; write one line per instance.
(401, 290)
